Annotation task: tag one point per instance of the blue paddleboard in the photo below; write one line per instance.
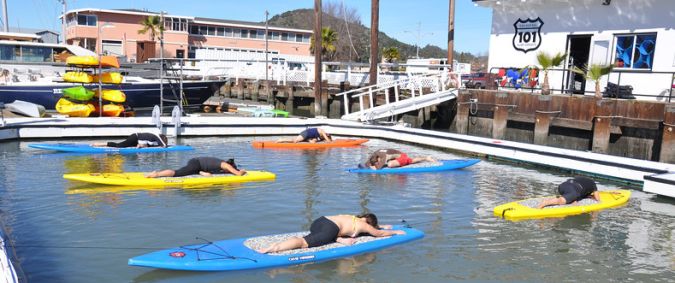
(236, 255)
(85, 148)
(444, 166)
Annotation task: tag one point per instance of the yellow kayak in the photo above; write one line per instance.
(65, 106)
(109, 78)
(82, 61)
(139, 179)
(524, 209)
(77, 77)
(109, 110)
(112, 95)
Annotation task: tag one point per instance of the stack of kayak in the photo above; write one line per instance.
(80, 101)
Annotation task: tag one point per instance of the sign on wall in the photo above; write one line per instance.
(527, 36)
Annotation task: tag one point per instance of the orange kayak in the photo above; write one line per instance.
(109, 110)
(306, 145)
(110, 62)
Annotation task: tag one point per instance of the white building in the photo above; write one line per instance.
(641, 33)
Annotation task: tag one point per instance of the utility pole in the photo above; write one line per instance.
(266, 46)
(374, 30)
(418, 35)
(451, 34)
(317, 57)
(63, 20)
(161, 63)
(5, 21)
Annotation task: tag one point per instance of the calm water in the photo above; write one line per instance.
(70, 232)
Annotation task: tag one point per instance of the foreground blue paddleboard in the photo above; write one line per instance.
(234, 255)
(444, 166)
(85, 148)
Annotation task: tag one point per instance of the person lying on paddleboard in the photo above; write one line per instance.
(311, 135)
(337, 228)
(573, 190)
(204, 166)
(392, 158)
(138, 140)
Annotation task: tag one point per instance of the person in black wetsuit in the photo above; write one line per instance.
(311, 135)
(573, 190)
(138, 140)
(204, 166)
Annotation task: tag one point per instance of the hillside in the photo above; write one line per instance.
(360, 35)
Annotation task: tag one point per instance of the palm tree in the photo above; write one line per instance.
(594, 73)
(153, 24)
(547, 62)
(390, 54)
(328, 39)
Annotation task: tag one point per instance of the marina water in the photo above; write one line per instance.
(74, 232)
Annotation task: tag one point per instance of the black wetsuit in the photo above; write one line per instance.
(577, 189)
(148, 139)
(205, 164)
(323, 231)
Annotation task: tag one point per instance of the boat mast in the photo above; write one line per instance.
(5, 21)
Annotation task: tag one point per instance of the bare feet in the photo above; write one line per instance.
(431, 159)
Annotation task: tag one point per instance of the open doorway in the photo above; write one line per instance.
(578, 50)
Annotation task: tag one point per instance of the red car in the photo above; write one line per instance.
(475, 80)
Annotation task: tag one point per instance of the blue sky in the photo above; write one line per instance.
(398, 18)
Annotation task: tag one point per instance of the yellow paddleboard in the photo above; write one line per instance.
(112, 95)
(524, 209)
(65, 106)
(139, 179)
(77, 77)
(82, 61)
(108, 78)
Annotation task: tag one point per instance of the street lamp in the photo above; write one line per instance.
(100, 88)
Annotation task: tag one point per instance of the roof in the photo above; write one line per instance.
(212, 21)
(19, 35)
(30, 30)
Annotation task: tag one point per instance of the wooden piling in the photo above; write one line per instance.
(324, 98)
(462, 118)
(601, 126)
(289, 100)
(255, 91)
(500, 116)
(542, 124)
(240, 90)
(668, 137)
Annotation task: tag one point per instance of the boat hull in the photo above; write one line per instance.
(138, 95)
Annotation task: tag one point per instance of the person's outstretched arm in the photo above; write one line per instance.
(228, 168)
(382, 233)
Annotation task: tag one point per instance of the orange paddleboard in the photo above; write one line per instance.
(306, 145)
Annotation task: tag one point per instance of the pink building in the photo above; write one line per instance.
(115, 32)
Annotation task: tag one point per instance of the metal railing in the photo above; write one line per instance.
(649, 85)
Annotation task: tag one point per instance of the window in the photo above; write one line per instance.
(192, 52)
(86, 20)
(112, 47)
(194, 29)
(175, 24)
(220, 32)
(203, 30)
(228, 32)
(212, 30)
(274, 35)
(236, 32)
(284, 36)
(635, 51)
(291, 37)
(88, 43)
(261, 34)
(306, 38)
(244, 33)
(10, 53)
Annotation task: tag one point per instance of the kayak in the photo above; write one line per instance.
(77, 77)
(307, 145)
(524, 209)
(78, 93)
(139, 179)
(92, 61)
(426, 167)
(109, 110)
(109, 78)
(65, 106)
(112, 95)
(82, 61)
(85, 148)
(240, 254)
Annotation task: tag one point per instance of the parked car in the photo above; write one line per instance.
(475, 80)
